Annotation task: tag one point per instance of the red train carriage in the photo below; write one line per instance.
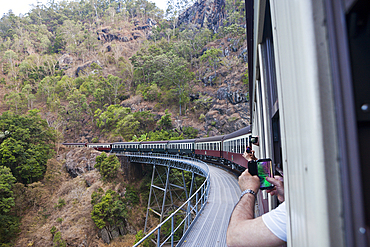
(234, 146)
(106, 147)
(210, 146)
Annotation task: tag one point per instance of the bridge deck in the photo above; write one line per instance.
(210, 228)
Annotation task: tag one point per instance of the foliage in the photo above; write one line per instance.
(165, 122)
(6, 194)
(28, 147)
(147, 242)
(190, 132)
(61, 203)
(53, 230)
(109, 210)
(166, 228)
(212, 57)
(131, 195)
(58, 241)
(9, 224)
(107, 165)
(9, 227)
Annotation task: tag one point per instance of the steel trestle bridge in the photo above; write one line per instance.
(190, 224)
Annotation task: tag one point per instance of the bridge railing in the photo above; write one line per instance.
(192, 207)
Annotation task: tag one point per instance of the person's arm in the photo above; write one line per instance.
(244, 230)
(249, 156)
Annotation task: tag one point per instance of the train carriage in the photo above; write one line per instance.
(234, 145)
(182, 147)
(125, 146)
(106, 147)
(210, 146)
(74, 145)
(154, 146)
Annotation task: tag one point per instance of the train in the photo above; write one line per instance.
(227, 149)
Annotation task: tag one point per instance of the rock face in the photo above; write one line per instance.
(85, 68)
(80, 160)
(107, 35)
(209, 13)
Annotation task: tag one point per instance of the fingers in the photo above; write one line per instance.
(280, 178)
(275, 181)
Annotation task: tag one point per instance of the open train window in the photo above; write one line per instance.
(358, 28)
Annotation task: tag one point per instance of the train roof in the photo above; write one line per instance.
(210, 139)
(73, 143)
(154, 142)
(92, 143)
(181, 141)
(125, 143)
(240, 132)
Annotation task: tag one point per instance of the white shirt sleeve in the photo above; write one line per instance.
(275, 220)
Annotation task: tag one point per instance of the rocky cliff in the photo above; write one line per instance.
(208, 13)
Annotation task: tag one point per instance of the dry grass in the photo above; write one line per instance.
(40, 211)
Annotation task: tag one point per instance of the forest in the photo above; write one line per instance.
(110, 70)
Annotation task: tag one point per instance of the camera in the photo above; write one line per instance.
(253, 139)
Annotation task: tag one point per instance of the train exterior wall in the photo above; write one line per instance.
(236, 158)
(309, 143)
(213, 153)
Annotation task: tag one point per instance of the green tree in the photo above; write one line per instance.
(28, 146)
(165, 122)
(128, 127)
(212, 57)
(109, 210)
(107, 165)
(8, 223)
(6, 194)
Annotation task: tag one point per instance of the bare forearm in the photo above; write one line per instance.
(244, 230)
(243, 212)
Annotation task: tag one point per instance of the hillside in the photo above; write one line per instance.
(104, 71)
(58, 62)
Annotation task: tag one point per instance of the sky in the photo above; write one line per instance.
(23, 6)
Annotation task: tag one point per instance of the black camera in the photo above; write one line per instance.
(253, 139)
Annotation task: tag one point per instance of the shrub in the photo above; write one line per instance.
(61, 203)
(109, 210)
(53, 230)
(58, 241)
(107, 165)
(190, 132)
(147, 242)
(132, 195)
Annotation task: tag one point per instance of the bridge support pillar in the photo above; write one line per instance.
(167, 191)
